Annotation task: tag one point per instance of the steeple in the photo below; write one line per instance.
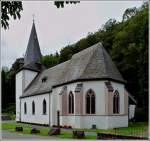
(33, 53)
(32, 59)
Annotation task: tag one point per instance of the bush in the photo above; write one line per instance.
(141, 114)
(10, 109)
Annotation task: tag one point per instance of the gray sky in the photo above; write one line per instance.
(57, 28)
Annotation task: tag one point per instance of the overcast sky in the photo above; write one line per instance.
(57, 28)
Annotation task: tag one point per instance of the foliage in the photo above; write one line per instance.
(8, 85)
(60, 4)
(10, 109)
(141, 115)
(129, 13)
(50, 60)
(10, 9)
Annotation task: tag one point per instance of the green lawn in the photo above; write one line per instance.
(26, 128)
(134, 129)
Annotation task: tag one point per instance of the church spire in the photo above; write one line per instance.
(32, 59)
(33, 53)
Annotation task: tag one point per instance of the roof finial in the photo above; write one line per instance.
(33, 17)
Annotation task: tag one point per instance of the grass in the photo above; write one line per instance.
(26, 128)
(12, 116)
(134, 129)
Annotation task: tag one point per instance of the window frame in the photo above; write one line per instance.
(44, 104)
(70, 103)
(25, 108)
(33, 107)
(116, 103)
(88, 107)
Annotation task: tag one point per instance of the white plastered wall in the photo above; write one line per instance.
(38, 117)
(74, 120)
(28, 77)
(23, 79)
(101, 120)
(19, 91)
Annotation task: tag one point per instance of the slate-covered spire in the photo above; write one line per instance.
(32, 59)
(33, 53)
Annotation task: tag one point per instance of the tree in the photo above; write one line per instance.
(10, 9)
(60, 4)
(129, 13)
(50, 60)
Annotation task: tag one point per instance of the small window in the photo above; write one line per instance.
(90, 102)
(44, 107)
(33, 108)
(25, 108)
(44, 79)
(71, 103)
(116, 102)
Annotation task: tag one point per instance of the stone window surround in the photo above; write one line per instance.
(116, 97)
(72, 103)
(91, 94)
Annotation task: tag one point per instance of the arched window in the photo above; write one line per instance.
(71, 103)
(116, 102)
(44, 106)
(25, 108)
(33, 108)
(90, 102)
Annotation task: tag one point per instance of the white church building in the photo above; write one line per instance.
(83, 92)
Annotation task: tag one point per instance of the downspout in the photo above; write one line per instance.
(20, 109)
(49, 109)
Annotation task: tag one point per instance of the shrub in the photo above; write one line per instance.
(141, 114)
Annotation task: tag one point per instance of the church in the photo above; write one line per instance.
(84, 92)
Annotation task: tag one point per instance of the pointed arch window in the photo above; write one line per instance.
(90, 102)
(71, 103)
(116, 102)
(33, 108)
(44, 107)
(25, 108)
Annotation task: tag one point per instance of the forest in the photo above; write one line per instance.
(127, 43)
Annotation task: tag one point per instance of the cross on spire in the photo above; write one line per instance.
(33, 16)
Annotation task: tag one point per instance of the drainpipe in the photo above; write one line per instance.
(20, 109)
(49, 109)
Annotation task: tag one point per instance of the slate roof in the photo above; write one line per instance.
(32, 59)
(89, 64)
